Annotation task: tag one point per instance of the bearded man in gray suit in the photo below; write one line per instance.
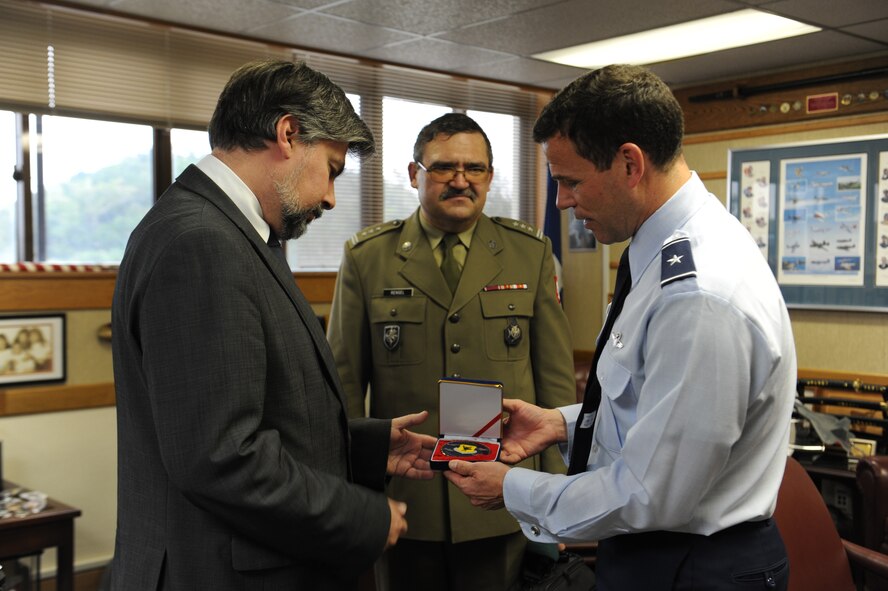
(238, 468)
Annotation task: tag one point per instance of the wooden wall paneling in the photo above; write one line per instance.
(94, 290)
(861, 87)
(56, 291)
(24, 401)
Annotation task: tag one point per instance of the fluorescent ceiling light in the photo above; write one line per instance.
(726, 31)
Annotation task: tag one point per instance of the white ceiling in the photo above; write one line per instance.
(495, 39)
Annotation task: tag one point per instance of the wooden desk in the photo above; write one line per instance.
(54, 526)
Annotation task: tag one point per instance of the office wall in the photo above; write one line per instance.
(846, 341)
(71, 455)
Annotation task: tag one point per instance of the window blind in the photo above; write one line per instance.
(68, 62)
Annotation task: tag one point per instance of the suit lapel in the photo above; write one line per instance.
(195, 180)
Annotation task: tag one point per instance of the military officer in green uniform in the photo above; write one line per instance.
(450, 292)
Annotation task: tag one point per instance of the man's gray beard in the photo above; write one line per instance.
(295, 219)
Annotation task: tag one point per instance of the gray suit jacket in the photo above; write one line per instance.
(235, 463)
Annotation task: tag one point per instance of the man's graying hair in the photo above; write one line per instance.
(259, 93)
(447, 125)
(606, 108)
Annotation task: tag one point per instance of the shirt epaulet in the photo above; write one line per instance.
(677, 261)
(372, 232)
(519, 226)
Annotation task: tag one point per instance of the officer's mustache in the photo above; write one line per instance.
(451, 192)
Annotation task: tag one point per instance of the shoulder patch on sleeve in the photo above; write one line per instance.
(677, 262)
(519, 226)
(372, 232)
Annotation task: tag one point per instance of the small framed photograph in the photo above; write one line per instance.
(32, 349)
(579, 238)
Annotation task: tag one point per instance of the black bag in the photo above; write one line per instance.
(567, 573)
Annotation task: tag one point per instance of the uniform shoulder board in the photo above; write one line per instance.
(373, 231)
(519, 226)
(677, 262)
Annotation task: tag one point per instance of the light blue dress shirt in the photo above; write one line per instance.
(698, 380)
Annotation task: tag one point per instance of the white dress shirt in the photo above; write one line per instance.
(237, 190)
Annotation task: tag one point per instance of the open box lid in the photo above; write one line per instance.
(470, 408)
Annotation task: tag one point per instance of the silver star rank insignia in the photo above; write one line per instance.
(677, 261)
(676, 258)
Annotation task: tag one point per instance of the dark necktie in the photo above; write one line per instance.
(449, 265)
(277, 250)
(582, 442)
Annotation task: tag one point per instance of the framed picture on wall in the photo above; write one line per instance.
(32, 349)
(819, 215)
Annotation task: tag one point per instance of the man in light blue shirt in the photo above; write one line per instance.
(696, 375)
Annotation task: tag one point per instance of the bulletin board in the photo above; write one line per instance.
(819, 215)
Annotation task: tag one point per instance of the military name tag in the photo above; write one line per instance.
(398, 292)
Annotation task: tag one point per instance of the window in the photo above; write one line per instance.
(397, 102)
(320, 248)
(67, 73)
(93, 182)
(504, 198)
(188, 147)
(8, 187)
(401, 122)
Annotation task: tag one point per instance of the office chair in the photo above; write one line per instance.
(872, 482)
(819, 560)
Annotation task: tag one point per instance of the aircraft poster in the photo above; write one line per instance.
(882, 227)
(821, 220)
(755, 201)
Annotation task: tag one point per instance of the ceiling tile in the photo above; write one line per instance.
(577, 21)
(101, 3)
(762, 58)
(529, 71)
(329, 33)
(435, 54)
(558, 83)
(237, 17)
(876, 30)
(829, 13)
(424, 17)
(307, 4)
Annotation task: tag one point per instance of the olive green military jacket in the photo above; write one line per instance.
(389, 278)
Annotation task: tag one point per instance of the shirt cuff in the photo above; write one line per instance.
(517, 495)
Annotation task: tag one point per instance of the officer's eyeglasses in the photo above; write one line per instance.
(445, 174)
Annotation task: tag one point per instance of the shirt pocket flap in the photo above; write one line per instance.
(505, 303)
(411, 309)
(613, 377)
